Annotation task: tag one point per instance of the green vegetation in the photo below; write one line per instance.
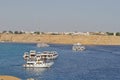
(19, 32)
(118, 34)
(10, 32)
(109, 33)
(56, 33)
(4, 32)
(36, 32)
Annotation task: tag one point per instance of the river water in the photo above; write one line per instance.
(95, 63)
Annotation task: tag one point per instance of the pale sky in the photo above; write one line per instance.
(60, 15)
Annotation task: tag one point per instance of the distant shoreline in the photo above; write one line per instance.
(56, 43)
(60, 39)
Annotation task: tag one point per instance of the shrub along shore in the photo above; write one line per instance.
(61, 39)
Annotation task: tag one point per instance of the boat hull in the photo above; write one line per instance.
(43, 65)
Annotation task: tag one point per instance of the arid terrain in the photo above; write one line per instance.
(61, 39)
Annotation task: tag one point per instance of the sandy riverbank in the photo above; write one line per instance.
(5, 77)
(61, 39)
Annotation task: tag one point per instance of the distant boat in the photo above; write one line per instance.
(42, 45)
(78, 47)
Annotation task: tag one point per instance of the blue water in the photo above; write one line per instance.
(95, 63)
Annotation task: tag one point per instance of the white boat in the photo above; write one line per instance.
(36, 59)
(42, 45)
(49, 55)
(78, 47)
(29, 55)
(26, 56)
(38, 63)
(33, 55)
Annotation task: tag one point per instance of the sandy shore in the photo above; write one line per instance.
(61, 39)
(5, 77)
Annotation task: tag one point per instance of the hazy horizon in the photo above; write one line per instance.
(60, 15)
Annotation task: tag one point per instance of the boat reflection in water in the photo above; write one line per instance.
(35, 71)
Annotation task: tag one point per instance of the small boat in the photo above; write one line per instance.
(78, 47)
(38, 63)
(42, 45)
